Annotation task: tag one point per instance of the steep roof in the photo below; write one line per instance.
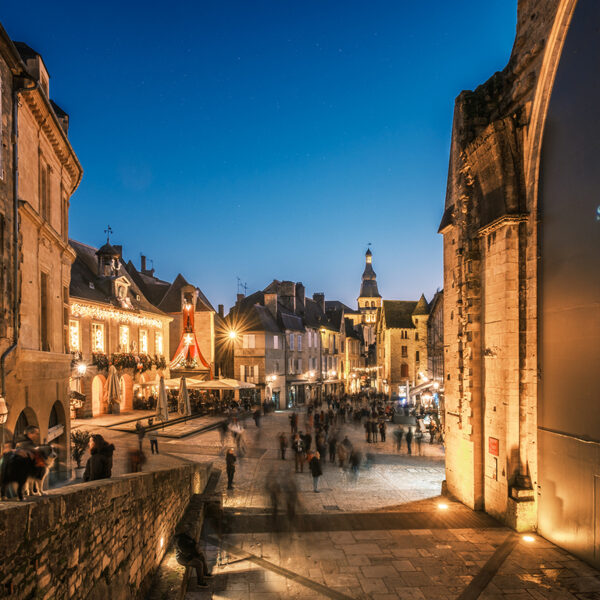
(88, 285)
(336, 304)
(398, 314)
(171, 301)
(422, 307)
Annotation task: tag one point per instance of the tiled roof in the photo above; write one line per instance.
(422, 308)
(84, 272)
(398, 314)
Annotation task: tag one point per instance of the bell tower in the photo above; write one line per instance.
(369, 299)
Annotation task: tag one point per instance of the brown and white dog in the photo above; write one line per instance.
(27, 469)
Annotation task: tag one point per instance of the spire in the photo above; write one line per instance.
(368, 288)
(422, 308)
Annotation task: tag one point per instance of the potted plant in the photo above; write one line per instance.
(79, 443)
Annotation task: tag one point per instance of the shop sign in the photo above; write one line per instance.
(494, 446)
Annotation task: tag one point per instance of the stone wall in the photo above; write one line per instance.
(99, 540)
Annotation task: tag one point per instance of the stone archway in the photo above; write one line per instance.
(26, 417)
(57, 436)
(98, 388)
(126, 391)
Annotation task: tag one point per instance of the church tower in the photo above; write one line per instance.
(369, 299)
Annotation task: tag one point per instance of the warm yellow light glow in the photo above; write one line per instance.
(104, 314)
(528, 538)
(436, 386)
(162, 542)
(98, 337)
(443, 506)
(158, 344)
(74, 336)
(81, 368)
(143, 341)
(188, 338)
(232, 335)
(124, 338)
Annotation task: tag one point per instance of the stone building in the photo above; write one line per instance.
(369, 300)
(169, 298)
(435, 339)
(522, 300)
(401, 345)
(112, 322)
(35, 253)
(284, 343)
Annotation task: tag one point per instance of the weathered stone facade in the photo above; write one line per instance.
(96, 540)
(37, 370)
(490, 227)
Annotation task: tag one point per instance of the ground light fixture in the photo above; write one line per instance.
(528, 538)
(442, 506)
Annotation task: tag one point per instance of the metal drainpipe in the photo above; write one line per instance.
(15, 302)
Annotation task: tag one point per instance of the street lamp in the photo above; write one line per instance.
(81, 369)
(232, 335)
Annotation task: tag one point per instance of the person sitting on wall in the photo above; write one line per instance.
(189, 554)
(30, 439)
(99, 464)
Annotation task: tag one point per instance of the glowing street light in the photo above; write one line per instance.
(81, 369)
(3, 411)
(232, 335)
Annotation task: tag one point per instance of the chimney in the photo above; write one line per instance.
(300, 297)
(221, 311)
(143, 264)
(240, 297)
(271, 303)
(320, 300)
(287, 294)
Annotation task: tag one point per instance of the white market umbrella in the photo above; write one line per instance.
(162, 405)
(113, 391)
(185, 408)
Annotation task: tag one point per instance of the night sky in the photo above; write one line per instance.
(266, 139)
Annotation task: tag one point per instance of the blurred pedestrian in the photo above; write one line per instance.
(398, 434)
(298, 448)
(140, 430)
(332, 447)
(283, 443)
(223, 429)
(409, 438)
(230, 460)
(382, 429)
(316, 471)
(419, 440)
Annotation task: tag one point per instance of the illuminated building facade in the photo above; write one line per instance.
(112, 322)
(521, 294)
(35, 257)
(369, 300)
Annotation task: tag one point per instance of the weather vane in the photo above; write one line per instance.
(108, 231)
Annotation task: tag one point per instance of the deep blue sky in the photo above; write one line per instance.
(267, 138)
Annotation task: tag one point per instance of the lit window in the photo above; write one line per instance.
(249, 341)
(98, 338)
(276, 342)
(124, 338)
(291, 341)
(143, 341)
(158, 343)
(74, 336)
(299, 336)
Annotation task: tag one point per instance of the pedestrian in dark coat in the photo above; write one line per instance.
(332, 447)
(298, 448)
(409, 438)
(99, 464)
(374, 429)
(398, 434)
(307, 441)
(188, 553)
(283, 444)
(141, 432)
(382, 429)
(315, 469)
(368, 430)
(230, 460)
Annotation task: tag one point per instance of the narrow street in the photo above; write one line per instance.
(387, 535)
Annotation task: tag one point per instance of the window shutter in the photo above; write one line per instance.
(255, 373)
(242, 378)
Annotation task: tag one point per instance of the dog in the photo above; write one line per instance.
(28, 469)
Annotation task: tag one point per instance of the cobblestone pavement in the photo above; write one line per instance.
(387, 535)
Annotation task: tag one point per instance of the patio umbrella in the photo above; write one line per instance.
(113, 391)
(162, 406)
(185, 408)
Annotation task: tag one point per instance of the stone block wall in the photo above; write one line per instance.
(98, 540)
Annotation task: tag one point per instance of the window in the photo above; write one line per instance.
(417, 356)
(65, 218)
(66, 309)
(44, 313)
(249, 341)
(404, 370)
(74, 336)
(45, 191)
(143, 341)
(291, 341)
(158, 343)
(276, 342)
(299, 337)
(299, 365)
(124, 338)
(417, 336)
(98, 338)
(404, 351)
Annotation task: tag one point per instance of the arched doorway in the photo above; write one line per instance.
(97, 394)
(26, 418)
(126, 389)
(57, 436)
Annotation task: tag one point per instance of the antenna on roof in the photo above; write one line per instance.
(108, 231)
(241, 286)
